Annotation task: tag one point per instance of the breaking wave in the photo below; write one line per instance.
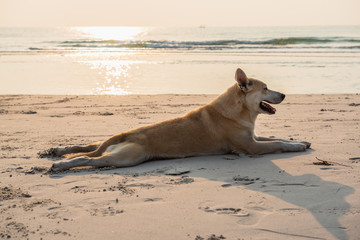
(291, 42)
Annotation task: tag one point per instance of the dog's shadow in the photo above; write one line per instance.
(324, 199)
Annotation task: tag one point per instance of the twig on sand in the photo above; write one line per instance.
(329, 163)
(322, 162)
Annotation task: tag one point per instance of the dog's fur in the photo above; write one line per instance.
(223, 126)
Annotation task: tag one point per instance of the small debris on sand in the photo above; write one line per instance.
(181, 180)
(7, 193)
(354, 104)
(29, 112)
(177, 171)
(212, 237)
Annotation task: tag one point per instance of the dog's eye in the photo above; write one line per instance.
(265, 88)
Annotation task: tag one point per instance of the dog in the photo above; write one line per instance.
(225, 125)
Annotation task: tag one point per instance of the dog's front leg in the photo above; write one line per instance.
(257, 138)
(262, 147)
(246, 142)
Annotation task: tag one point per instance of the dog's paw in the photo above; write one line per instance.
(302, 147)
(51, 153)
(55, 168)
(294, 147)
(307, 144)
(48, 153)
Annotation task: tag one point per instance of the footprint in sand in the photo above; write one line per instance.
(291, 211)
(242, 216)
(238, 212)
(109, 211)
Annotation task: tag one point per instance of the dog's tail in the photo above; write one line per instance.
(102, 148)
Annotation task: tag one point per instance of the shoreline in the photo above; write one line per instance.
(274, 196)
(214, 95)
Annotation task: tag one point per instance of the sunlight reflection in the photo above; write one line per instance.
(114, 75)
(112, 67)
(112, 33)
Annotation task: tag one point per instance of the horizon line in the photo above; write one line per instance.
(192, 26)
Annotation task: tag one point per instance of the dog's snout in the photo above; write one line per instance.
(282, 96)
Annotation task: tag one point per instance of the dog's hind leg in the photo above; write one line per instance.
(58, 152)
(119, 155)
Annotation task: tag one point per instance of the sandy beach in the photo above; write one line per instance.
(275, 196)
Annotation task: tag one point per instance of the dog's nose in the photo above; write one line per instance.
(282, 96)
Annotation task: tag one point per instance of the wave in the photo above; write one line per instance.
(291, 42)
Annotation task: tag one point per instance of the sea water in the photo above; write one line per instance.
(159, 60)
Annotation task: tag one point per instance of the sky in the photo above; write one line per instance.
(54, 13)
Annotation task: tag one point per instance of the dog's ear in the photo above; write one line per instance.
(241, 79)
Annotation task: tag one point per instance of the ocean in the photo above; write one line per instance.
(162, 60)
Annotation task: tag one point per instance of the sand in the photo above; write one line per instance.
(274, 196)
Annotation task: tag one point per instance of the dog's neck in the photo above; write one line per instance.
(231, 104)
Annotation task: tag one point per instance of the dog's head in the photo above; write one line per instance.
(257, 95)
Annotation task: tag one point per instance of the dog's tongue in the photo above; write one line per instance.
(271, 107)
(268, 107)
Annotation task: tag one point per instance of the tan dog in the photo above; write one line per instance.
(223, 126)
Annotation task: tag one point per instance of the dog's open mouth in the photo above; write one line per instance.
(267, 107)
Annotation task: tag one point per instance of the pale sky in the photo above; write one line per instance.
(52, 13)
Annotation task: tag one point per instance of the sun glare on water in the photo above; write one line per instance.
(112, 67)
(112, 33)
